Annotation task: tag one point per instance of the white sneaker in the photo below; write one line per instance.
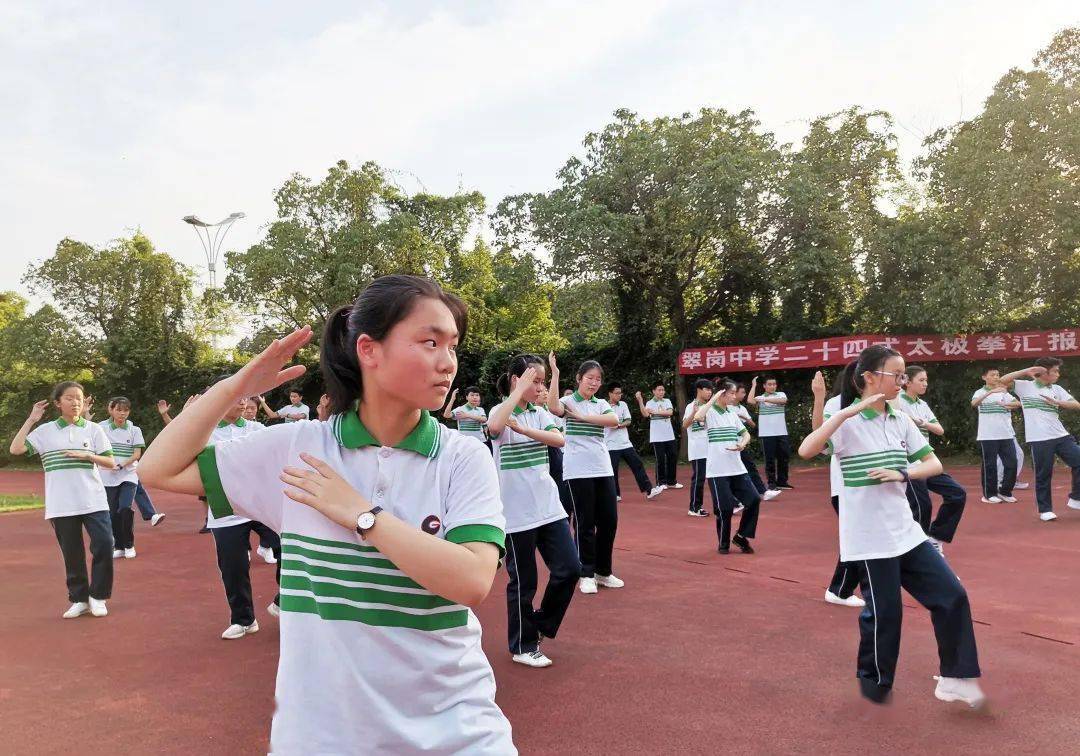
(939, 547)
(533, 659)
(129, 553)
(587, 585)
(656, 491)
(770, 495)
(267, 555)
(852, 600)
(1021, 486)
(964, 689)
(1010, 499)
(97, 607)
(609, 581)
(118, 554)
(738, 509)
(1047, 516)
(274, 609)
(1073, 504)
(618, 498)
(157, 518)
(232, 632)
(662, 487)
(992, 500)
(697, 513)
(78, 609)
(676, 485)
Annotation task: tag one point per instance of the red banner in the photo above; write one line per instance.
(839, 350)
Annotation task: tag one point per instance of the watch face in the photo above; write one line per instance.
(365, 521)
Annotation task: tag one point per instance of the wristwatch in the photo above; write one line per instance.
(366, 520)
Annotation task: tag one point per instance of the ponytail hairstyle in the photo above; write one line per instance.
(870, 359)
(837, 385)
(725, 384)
(382, 305)
(588, 365)
(60, 388)
(514, 369)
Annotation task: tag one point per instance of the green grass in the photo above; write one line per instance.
(19, 502)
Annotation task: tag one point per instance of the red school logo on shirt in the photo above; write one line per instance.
(431, 524)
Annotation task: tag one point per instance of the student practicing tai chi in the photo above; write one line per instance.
(392, 530)
(521, 433)
(291, 412)
(772, 430)
(1043, 400)
(875, 445)
(846, 575)
(953, 496)
(618, 444)
(660, 410)
(724, 470)
(587, 468)
(697, 445)
(470, 416)
(747, 457)
(996, 437)
(122, 482)
(71, 450)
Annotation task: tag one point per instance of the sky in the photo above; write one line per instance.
(130, 115)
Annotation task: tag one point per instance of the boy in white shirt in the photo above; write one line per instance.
(291, 412)
(1043, 399)
(619, 446)
(772, 431)
(747, 457)
(660, 410)
(996, 437)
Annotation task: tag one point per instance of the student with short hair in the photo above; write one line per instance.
(291, 412)
(697, 446)
(747, 458)
(619, 447)
(942, 529)
(587, 468)
(874, 445)
(1043, 399)
(71, 451)
(521, 433)
(996, 437)
(121, 482)
(471, 417)
(392, 530)
(724, 470)
(659, 410)
(772, 430)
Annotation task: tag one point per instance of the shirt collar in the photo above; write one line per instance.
(114, 426)
(529, 407)
(240, 423)
(79, 422)
(870, 413)
(579, 398)
(908, 399)
(351, 433)
(1040, 384)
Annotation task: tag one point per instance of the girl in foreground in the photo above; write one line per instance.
(391, 530)
(874, 445)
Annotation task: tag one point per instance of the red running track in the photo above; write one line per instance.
(699, 653)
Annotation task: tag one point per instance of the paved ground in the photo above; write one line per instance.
(700, 653)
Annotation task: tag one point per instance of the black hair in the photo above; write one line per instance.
(119, 401)
(382, 305)
(660, 384)
(988, 369)
(766, 378)
(740, 385)
(852, 381)
(60, 388)
(1049, 362)
(474, 389)
(837, 385)
(613, 385)
(703, 383)
(913, 370)
(295, 390)
(514, 369)
(725, 384)
(588, 365)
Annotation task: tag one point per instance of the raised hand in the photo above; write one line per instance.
(267, 370)
(637, 395)
(817, 385)
(523, 382)
(38, 410)
(551, 363)
(163, 406)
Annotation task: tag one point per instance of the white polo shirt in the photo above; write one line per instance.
(660, 428)
(916, 408)
(836, 480)
(294, 409)
(530, 497)
(228, 432)
(124, 439)
(585, 454)
(995, 419)
(370, 661)
(742, 412)
(875, 518)
(1042, 421)
(772, 420)
(72, 486)
(724, 429)
(697, 437)
(471, 420)
(619, 438)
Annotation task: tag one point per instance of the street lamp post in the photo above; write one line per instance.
(212, 243)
